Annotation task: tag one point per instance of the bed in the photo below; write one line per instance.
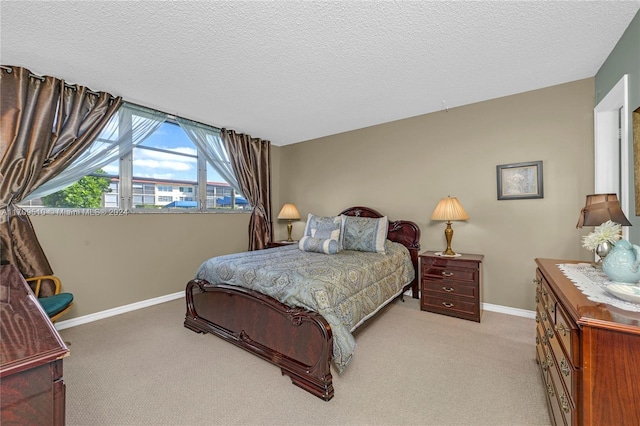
(265, 312)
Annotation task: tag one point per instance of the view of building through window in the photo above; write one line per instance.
(164, 176)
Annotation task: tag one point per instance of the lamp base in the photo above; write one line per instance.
(289, 228)
(448, 234)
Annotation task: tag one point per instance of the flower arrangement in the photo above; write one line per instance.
(608, 232)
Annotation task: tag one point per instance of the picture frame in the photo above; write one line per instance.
(635, 122)
(519, 181)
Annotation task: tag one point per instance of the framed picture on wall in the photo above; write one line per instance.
(635, 122)
(520, 181)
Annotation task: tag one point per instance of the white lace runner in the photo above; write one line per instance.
(593, 282)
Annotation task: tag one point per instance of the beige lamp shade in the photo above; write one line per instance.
(449, 208)
(289, 211)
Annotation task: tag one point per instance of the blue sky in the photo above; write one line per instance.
(161, 165)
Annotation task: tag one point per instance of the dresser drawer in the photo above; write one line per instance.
(544, 373)
(560, 404)
(452, 288)
(565, 399)
(567, 334)
(566, 371)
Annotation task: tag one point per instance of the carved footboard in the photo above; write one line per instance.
(299, 341)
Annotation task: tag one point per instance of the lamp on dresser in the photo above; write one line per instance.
(598, 209)
(449, 209)
(289, 212)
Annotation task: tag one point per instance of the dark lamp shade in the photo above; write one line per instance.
(600, 208)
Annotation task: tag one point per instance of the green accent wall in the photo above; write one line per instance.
(625, 59)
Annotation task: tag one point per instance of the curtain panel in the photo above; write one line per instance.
(130, 126)
(251, 161)
(45, 125)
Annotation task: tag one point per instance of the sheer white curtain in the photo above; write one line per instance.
(129, 127)
(209, 143)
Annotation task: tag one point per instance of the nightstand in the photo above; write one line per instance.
(451, 285)
(273, 244)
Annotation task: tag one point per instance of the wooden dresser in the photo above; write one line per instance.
(451, 285)
(31, 352)
(589, 353)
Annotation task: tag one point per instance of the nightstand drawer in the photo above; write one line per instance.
(449, 306)
(451, 288)
(450, 273)
(449, 262)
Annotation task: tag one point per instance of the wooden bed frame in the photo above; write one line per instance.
(297, 340)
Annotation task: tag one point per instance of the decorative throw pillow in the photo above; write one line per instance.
(364, 233)
(324, 228)
(325, 234)
(319, 245)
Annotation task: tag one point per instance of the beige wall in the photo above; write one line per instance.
(403, 168)
(108, 261)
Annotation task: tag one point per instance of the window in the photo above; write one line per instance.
(141, 154)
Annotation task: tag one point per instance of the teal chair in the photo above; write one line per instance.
(55, 305)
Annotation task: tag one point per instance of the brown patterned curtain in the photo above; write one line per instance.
(251, 162)
(45, 125)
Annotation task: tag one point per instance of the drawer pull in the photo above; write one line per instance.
(550, 389)
(544, 316)
(561, 328)
(537, 281)
(543, 364)
(550, 333)
(537, 318)
(564, 366)
(549, 360)
(564, 402)
(537, 340)
(537, 299)
(448, 289)
(446, 274)
(447, 305)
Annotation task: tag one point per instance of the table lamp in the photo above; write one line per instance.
(449, 209)
(598, 209)
(289, 212)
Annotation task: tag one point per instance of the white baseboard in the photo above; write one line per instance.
(167, 298)
(117, 311)
(508, 310)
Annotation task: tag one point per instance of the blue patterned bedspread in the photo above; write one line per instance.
(345, 288)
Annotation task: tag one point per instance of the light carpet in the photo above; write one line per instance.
(410, 368)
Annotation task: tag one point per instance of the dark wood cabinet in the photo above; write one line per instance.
(31, 351)
(451, 285)
(588, 353)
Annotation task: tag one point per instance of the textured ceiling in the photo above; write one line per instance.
(294, 71)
